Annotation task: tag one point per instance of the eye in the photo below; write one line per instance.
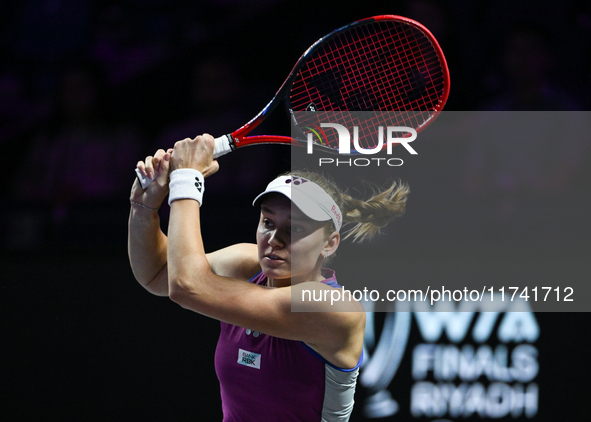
(296, 228)
(267, 223)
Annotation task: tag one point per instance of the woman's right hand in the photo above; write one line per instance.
(158, 165)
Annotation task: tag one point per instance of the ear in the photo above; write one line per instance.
(332, 243)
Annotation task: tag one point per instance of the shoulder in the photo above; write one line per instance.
(238, 261)
(336, 321)
(334, 306)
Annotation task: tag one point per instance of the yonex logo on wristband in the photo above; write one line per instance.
(182, 184)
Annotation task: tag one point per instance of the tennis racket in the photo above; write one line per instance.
(384, 63)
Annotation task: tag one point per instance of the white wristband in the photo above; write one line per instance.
(186, 184)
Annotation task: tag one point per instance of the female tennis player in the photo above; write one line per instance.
(273, 364)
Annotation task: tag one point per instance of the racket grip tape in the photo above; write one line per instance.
(223, 145)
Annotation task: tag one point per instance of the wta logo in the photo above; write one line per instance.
(470, 360)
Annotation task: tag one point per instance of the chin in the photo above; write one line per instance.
(275, 273)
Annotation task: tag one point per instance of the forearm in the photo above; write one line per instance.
(147, 249)
(188, 268)
(192, 283)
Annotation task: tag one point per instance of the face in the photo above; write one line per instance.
(290, 244)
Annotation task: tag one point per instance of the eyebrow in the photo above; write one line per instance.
(293, 217)
(299, 218)
(267, 210)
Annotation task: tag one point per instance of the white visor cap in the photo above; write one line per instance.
(308, 197)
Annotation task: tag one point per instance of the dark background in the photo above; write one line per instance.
(87, 88)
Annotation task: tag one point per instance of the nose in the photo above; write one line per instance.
(275, 239)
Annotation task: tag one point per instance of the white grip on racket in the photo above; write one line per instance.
(222, 146)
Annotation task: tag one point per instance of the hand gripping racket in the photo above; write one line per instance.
(384, 63)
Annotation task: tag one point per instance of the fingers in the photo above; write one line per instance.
(211, 169)
(164, 166)
(146, 167)
(208, 139)
(194, 153)
(151, 165)
(205, 141)
(158, 157)
(181, 143)
(141, 166)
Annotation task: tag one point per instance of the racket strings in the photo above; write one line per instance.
(387, 66)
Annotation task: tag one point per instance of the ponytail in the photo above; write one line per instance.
(368, 216)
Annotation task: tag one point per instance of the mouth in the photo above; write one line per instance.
(273, 257)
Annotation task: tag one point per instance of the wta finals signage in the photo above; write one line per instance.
(475, 360)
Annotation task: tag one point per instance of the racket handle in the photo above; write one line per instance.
(223, 145)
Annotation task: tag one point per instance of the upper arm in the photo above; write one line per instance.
(335, 332)
(238, 261)
(159, 284)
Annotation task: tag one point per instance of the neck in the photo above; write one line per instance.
(315, 275)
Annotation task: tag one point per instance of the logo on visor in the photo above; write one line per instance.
(336, 214)
(296, 180)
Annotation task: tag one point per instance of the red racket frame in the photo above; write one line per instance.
(239, 137)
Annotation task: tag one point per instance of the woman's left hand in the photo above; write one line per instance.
(196, 154)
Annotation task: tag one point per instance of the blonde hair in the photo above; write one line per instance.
(369, 216)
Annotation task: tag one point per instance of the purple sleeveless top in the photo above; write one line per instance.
(265, 378)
